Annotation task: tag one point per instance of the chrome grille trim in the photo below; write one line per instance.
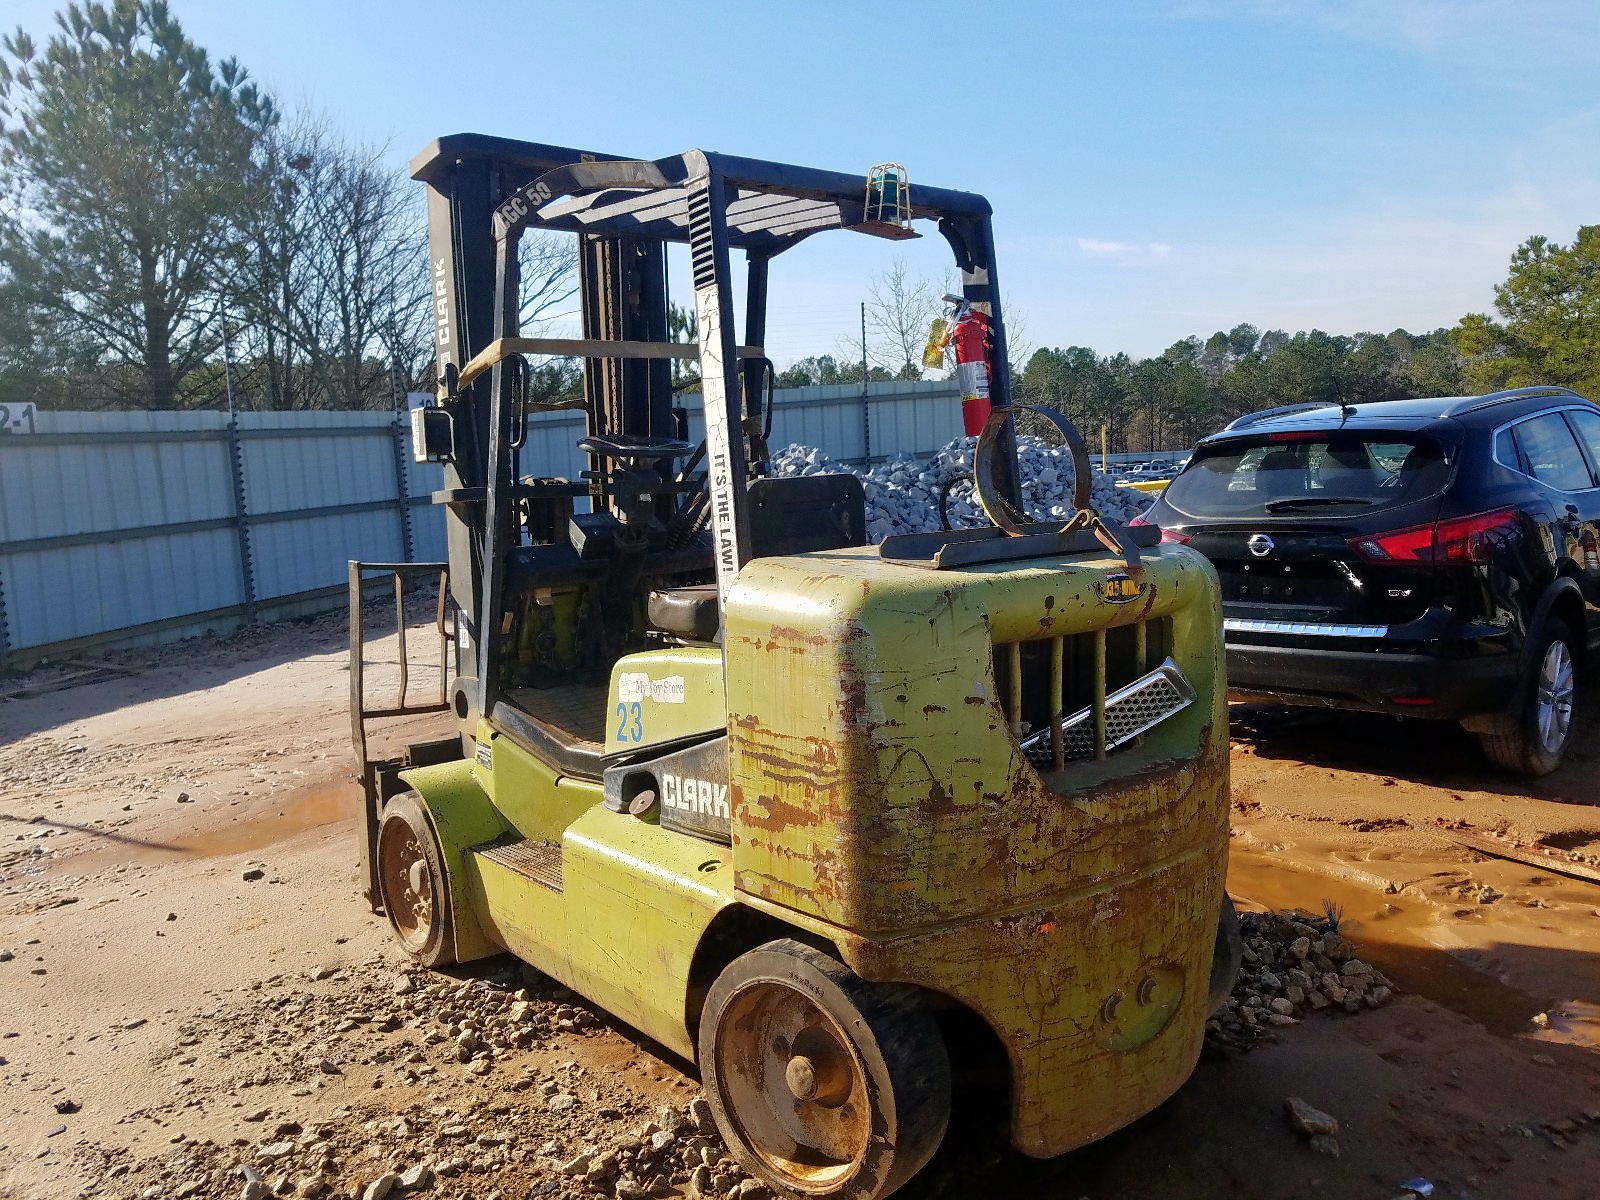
(1129, 711)
(1303, 628)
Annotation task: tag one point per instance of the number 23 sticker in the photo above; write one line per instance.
(630, 722)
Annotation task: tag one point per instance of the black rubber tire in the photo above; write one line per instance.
(1519, 748)
(899, 1066)
(1227, 956)
(403, 831)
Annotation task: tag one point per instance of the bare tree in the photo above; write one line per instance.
(899, 311)
(547, 262)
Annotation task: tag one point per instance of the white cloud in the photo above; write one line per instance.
(1491, 33)
(1416, 261)
(1124, 252)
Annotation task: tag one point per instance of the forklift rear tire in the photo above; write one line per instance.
(411, 882)
(822, 1084)
(1227, 956)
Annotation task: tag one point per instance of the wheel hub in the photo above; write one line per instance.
(795, 1087)
(407, 884)
(1555, 693)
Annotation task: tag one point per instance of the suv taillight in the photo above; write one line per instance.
(1167, 535)
(1458, 541)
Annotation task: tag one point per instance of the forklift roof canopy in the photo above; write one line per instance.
(770, 205)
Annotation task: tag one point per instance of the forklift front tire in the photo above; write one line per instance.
(411, 882)
(822, 1084)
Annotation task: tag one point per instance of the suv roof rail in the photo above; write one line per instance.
(1472, 403)
(1266, 414)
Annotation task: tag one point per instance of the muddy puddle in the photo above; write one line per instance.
(1399, 935)
(307, 808)
(299, 811)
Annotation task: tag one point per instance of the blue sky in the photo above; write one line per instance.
(1157, 167)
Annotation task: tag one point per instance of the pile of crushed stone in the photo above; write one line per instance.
(903, 493)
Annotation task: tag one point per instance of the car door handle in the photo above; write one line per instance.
(1572, 522)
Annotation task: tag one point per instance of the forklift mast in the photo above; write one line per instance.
(484, 193)
(622, 293)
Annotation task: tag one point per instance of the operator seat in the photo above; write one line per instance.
(801, 515)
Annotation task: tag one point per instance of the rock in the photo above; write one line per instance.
(277, 1150)
(700, 1183)
(1281, 1006)
(255, 1190)
(381, 1186)
(662, 1140)
(404, 985)
(602, 1169)
(252, 874)
(1325, 1144)
(579, 1163)
(1308, 1120)
(753, 1189)
(700, 1115)
(1300, 947)
(67, 1107)
(1542, 1020)
(1488, 895)
(627, 1190)
(318, 974)
(564, 1102)
(1354, 966)
(328, 1067)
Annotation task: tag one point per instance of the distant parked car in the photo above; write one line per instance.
(1427, 558)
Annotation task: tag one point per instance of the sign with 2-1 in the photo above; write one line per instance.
(16, 418)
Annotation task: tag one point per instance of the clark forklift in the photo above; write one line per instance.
(793, 804)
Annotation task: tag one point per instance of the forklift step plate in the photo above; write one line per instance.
(538, 861)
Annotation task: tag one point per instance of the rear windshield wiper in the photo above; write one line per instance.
(1301, 501)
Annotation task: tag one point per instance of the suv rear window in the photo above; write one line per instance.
(1332, 474)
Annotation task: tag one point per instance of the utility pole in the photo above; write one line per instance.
(866, 410)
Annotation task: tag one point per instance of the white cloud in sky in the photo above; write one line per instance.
(1491, 33)
(1124, 252)
(1378, 263)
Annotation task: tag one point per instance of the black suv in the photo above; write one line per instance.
(1431, 558)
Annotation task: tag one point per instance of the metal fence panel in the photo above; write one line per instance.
(116, 526)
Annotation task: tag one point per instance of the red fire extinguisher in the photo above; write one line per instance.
(971, 338)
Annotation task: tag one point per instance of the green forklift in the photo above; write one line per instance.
(792, 804)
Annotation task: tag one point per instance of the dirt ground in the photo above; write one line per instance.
(165, 1019)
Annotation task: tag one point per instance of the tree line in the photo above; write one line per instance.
(171, 237)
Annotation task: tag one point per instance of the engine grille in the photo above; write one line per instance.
(1129, 711)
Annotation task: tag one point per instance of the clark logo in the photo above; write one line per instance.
(702, 797)
(1119, 589)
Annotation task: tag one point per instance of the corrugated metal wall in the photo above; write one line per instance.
(148, 526)
(914, 418)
